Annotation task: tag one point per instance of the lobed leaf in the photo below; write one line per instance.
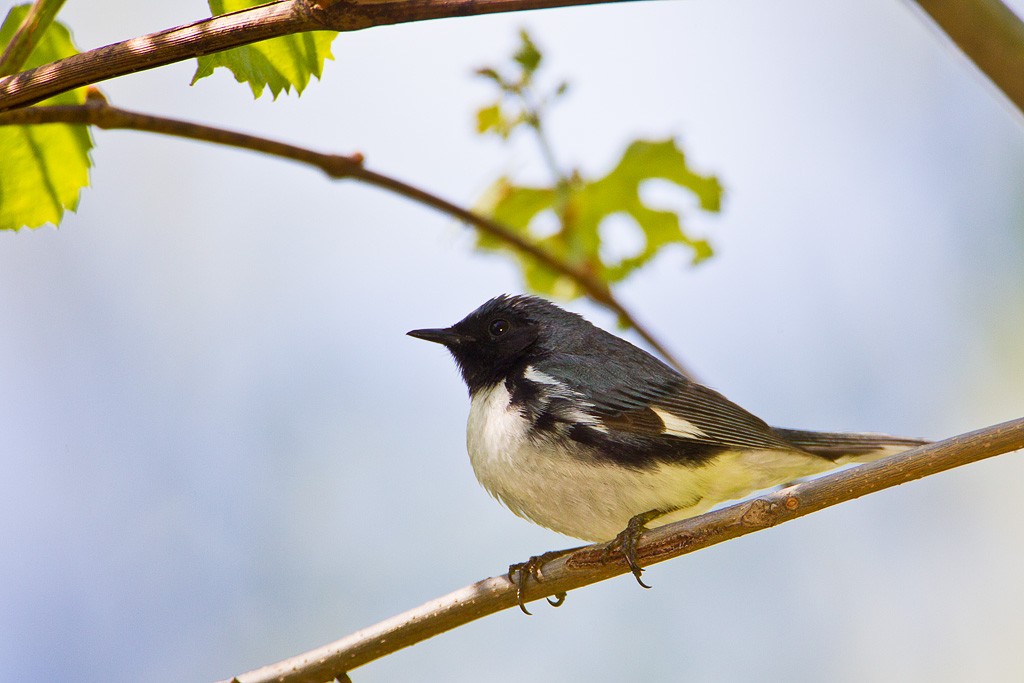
(42, 168)
(581, 206)
(278, 63)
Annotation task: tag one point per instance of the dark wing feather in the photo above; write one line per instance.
(832, 445)
(716, 419)
(625, 394)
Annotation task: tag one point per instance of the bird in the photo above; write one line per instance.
(582, 432)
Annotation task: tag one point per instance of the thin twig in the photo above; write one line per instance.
(39, 16)
(98, 113)
(585, 566)
(244, 27)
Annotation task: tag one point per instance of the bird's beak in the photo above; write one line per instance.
(446, 336)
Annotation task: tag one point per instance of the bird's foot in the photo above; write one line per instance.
(625, 543)
(517, 574)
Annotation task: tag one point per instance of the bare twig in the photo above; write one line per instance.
(235, 29)
(585, 566)
(97, 112)
(39, 16)
(991, 36)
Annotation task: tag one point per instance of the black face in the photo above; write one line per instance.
(494, 341)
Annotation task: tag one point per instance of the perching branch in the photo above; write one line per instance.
(585, 567)
(97, 112)
(244, 27)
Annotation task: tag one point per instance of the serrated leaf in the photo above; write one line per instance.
(42, 168)
(582, 206)
(278, 63)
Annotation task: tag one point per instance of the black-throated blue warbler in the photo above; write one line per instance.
(581, 432)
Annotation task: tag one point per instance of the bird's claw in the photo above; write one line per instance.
(518, 572)
(625, 543)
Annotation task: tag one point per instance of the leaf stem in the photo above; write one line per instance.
(533, 114)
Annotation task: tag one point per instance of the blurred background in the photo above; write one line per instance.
(218, 447)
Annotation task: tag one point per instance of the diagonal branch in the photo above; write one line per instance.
(97, 112)
(585, 566)
(987, 31)
(216, 34)
(990, 35)
(39, 16)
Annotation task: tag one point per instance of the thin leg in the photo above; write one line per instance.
(627, 539)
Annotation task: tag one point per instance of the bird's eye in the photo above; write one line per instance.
(498, 327)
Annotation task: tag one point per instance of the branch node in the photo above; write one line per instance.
(93, 95)
(761, 513)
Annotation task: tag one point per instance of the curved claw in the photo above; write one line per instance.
(515, 575)
(557, 602)
(532, 567)
(636, 574)
(629, 552)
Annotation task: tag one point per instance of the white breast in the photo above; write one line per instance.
(588, 500)
(593, 499)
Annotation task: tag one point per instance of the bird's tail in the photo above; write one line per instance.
(843, 448)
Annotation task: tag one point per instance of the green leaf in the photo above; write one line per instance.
(527, 56)
(619, 192)
(279, 63)
(580, 206)
(489, 119)
(42, 168)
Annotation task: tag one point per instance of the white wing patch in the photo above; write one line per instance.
(535, 375)
(677, 426)
(558, 389)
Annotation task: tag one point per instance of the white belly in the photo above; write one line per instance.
(594, 499)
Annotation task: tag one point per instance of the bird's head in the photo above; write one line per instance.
(501, 337)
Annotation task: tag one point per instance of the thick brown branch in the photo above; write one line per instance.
(991, 36)
(98, 113)
(235, 29)
(156, 49)
(585, 566)
(987, 31)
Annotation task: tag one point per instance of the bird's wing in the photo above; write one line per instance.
(662, 408)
